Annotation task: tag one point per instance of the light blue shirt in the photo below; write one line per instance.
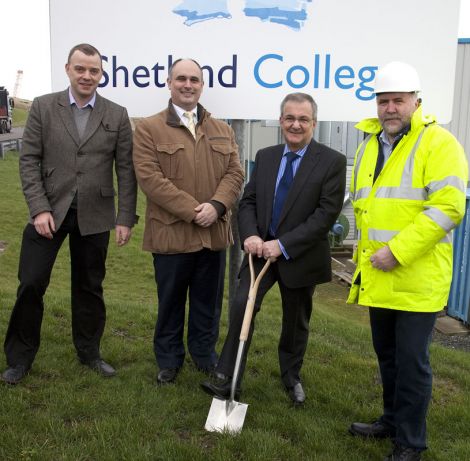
(295, 166)
(90, 103)
(386, 146)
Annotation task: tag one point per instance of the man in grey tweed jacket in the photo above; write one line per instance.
(71, 142)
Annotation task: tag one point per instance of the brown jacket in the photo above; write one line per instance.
(177, 173)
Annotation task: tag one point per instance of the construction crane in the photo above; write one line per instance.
(19, 77)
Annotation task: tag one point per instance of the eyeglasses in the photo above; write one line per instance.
(303, 121)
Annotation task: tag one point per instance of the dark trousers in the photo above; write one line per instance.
(296, 312)
(38, 254)
(401, 341)
(177, 275)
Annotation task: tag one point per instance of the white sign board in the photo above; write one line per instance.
(254, 52)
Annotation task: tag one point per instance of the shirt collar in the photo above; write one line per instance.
(299, 152)
(180, 111)
(90, 103)
(384, 139)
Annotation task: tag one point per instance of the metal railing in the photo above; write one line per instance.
(11, 144)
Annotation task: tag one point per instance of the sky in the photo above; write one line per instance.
(25, 24)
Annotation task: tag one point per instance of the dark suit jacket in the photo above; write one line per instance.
(311, 208)
(55, 165)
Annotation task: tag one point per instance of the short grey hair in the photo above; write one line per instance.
(300, 97)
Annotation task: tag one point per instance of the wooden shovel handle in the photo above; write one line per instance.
(250, 304)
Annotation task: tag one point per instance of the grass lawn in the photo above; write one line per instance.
(19, 116)
(63, 411)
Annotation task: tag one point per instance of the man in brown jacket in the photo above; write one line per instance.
(72, 141)
(187, 165)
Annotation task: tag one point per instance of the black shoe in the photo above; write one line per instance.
(220, 386)
(296, 394)
(13, 375)
(167, 375)
(374, 430)
(401, 453)
(101, 367)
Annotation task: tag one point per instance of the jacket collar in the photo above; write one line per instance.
(372, 125)
(309, 161)
(69, 122)
(173, 119)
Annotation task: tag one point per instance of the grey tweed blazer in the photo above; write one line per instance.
(55, 165)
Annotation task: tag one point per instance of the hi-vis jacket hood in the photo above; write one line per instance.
(372, 125)
(416, 201)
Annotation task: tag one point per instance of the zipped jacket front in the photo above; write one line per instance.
(415, 202)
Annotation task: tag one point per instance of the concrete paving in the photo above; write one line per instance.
(450, 326)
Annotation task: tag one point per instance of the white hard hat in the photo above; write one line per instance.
(397, 77)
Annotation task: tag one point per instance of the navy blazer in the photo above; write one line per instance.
(311, 208)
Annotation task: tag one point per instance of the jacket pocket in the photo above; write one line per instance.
(168, 233)
(416, 278)
(169, 157)
(110, 126)
(105, 140)
(221, 160)
(48, 181)
(219, 139)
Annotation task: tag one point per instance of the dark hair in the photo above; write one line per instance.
(85, 48)
(300, 97)
(170, 70)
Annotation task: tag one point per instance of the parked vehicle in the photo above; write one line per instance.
(6, 109)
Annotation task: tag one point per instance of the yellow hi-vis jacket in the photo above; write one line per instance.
(416, 201)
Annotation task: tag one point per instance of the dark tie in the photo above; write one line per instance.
(282, 191)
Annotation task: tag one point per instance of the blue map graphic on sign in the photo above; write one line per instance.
(202, 10)
(290, 13)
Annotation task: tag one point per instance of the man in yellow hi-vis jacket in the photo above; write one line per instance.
(408, 192)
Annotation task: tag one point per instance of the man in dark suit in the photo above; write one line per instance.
(71, 141)
(293, 198)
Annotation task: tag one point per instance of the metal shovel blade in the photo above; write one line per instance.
(229, 415)
(226, 416)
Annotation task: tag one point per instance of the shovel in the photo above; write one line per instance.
(229, 415)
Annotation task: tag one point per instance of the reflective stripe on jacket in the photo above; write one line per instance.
(416, 201)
